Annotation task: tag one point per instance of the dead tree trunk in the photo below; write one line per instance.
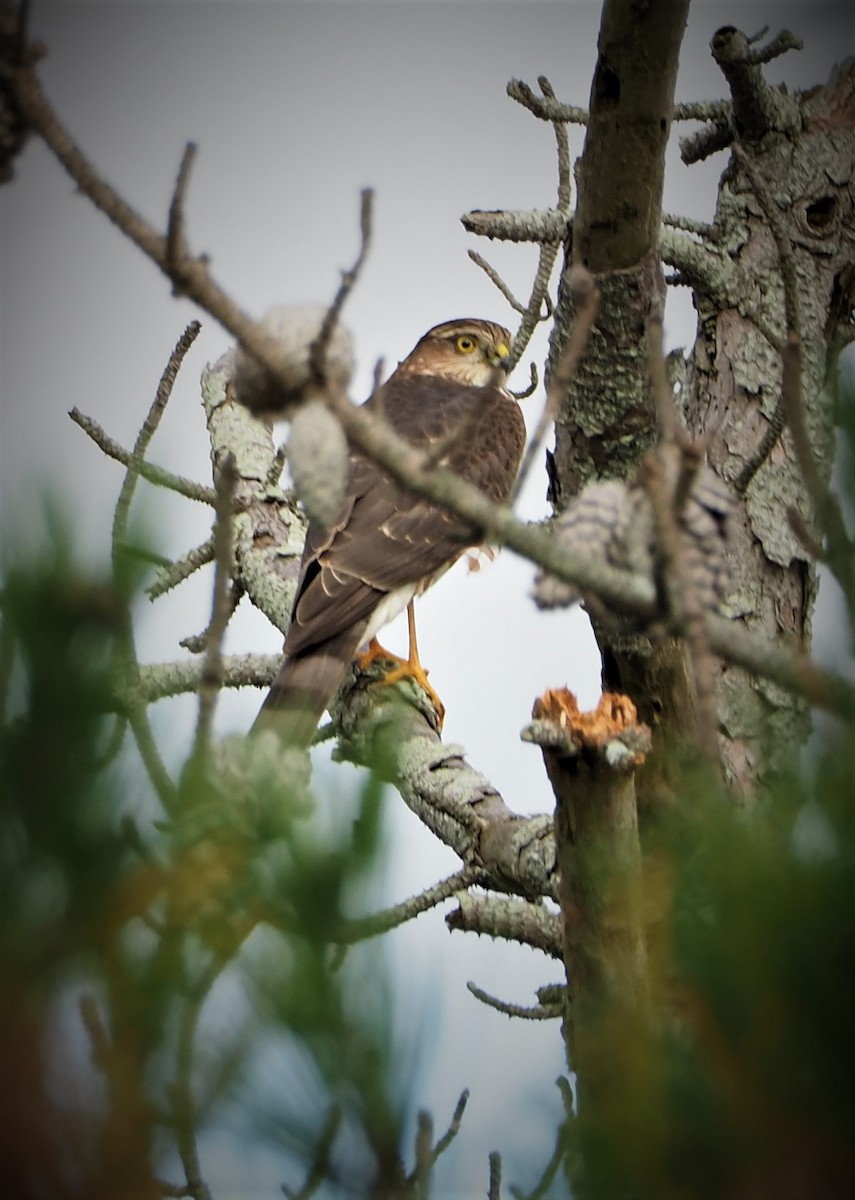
(776, 263)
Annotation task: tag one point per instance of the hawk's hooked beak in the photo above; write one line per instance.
(501, 356)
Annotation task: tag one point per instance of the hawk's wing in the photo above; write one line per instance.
(384, 538)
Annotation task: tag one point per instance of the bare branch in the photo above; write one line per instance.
(453, 1126)
(494, 1188)
(537, 1012)
(149, 427)
(318, 351)
(508, 226)
(319, 1167)
(779, 45)
(197, 642)
(702, 110)
(183, 568)
(151, 473)
(510, 919)
(757, 106)
(162, 680)
(546, 107)
(562, 144)
(587, 306)
(533, 314)
(221, 609)
(390, 918)
(534, 380)
(707, 141)
(176, 241)
(128, 664)
(495, 278)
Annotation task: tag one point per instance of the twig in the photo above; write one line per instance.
(758, 107)
(534, 380)
(176, 572)
(318, 350)
(221, 609)
(510, 919)
(129, 664)
(532, 314)
(562, 143)
(319, 1167)
(421, 1174)
(701, 229)
(277, 465)
(183, 1104)
(508, 226)
(549, 1171)
(707, 141)
(769, 440)
(702, 110)
(176, 241)
(197, 642)
(454, 1125)
(162, 680)
(494, 1189)
(547, 108)
(390, 918)
(153, 474)
(149, 427)
(537, 1012)
(779, 45)
(495, 278)
(587, 302)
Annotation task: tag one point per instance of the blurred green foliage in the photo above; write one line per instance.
(115, 932)
(738, 1084)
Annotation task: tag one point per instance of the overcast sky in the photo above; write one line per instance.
(296, 107)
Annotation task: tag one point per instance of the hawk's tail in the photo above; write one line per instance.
(305, 685)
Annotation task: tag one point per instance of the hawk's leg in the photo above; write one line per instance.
(407, 668)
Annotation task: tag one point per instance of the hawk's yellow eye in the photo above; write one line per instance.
(465, 344)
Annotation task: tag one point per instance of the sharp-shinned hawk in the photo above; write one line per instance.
(386, 545)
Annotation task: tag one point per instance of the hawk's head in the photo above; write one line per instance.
(467, 350)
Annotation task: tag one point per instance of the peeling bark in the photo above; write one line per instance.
(734, 386)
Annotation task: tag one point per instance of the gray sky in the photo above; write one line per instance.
(295, 107)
